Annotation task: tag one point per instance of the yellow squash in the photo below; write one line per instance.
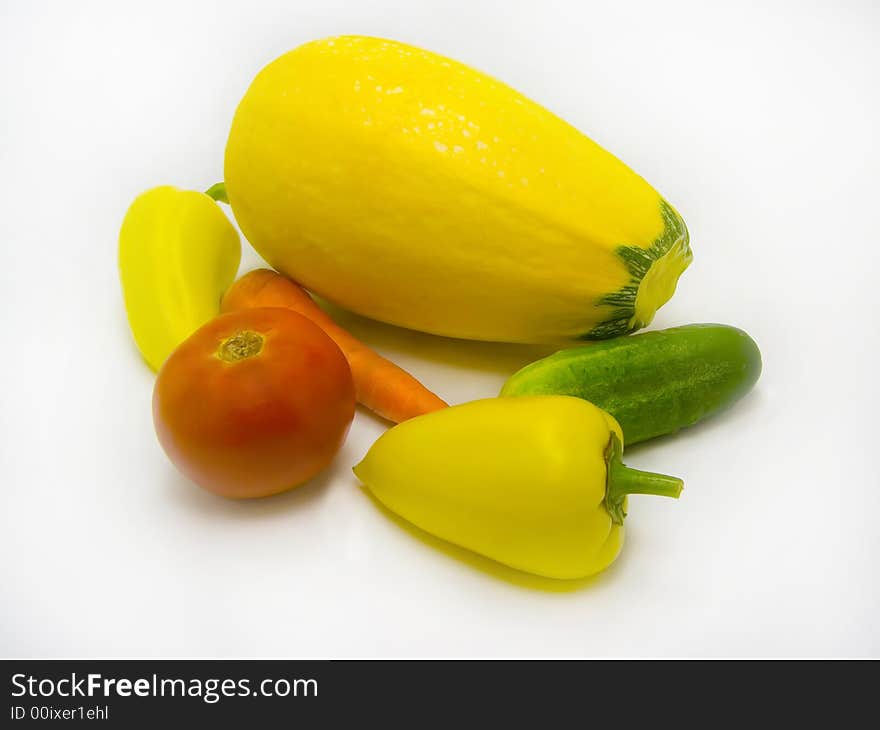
(178, 253)
(415, 190)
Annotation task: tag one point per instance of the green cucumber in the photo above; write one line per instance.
(653, 383)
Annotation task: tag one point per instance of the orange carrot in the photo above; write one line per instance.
(380, 385)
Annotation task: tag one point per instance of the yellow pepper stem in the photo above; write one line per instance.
(218, 192)
(622, 480)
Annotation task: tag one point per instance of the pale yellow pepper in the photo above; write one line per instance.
(178, 253)
(535, 482)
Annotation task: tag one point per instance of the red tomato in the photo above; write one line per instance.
(253, 403)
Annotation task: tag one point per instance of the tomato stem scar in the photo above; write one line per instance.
(240, 346)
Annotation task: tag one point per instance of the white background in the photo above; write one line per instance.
(758, 121)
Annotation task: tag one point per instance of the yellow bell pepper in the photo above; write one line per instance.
(178, 253)
(535, 483)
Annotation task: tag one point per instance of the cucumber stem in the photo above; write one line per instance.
(218, 192)
(622, 480)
